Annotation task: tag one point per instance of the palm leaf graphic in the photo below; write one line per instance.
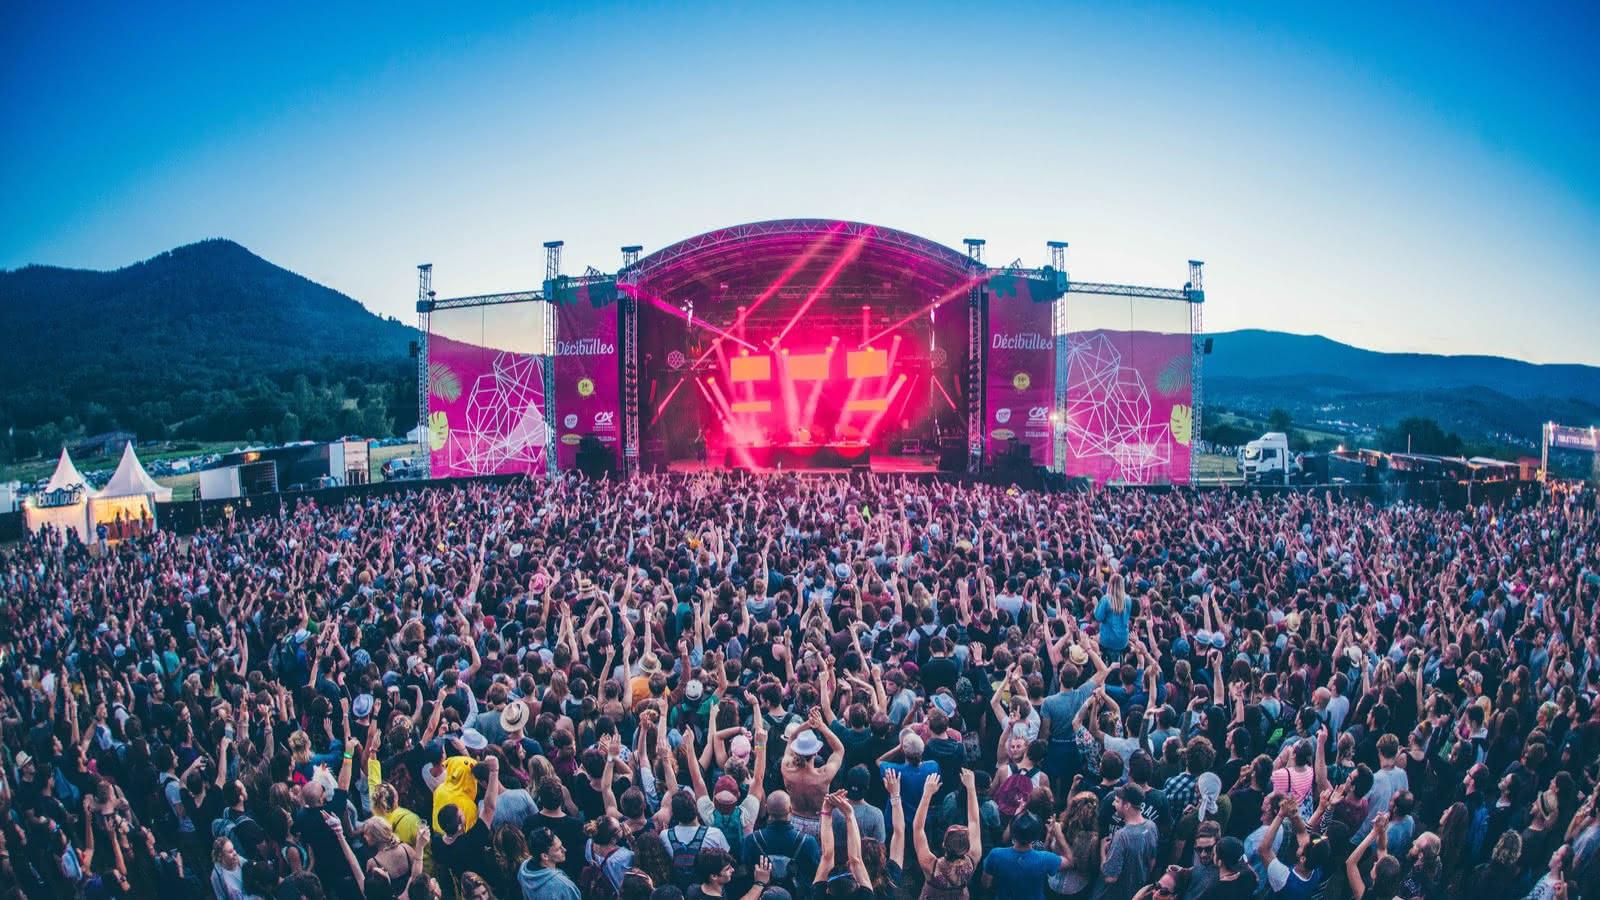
(1174, 378)
(443, 382)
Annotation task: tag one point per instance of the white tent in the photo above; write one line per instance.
(64, 502)
(67, 477)
(127, 504)
(131, 479)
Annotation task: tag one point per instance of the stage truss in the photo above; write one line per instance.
(635, 271)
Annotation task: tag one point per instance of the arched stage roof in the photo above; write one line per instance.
(743, 262)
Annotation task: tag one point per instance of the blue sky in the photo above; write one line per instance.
(1417, 179)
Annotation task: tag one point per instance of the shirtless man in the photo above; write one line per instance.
(807, 782)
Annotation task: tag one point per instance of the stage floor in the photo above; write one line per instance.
(879, 464)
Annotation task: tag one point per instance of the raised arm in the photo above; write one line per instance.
(919, 825)
(974, 817)
(491, 794)
(897, 818)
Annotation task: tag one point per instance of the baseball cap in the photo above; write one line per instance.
(694, 690)
(726, 792)
(1230, 852)
(740, 747)
(473, 739)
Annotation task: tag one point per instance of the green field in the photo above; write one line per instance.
(1310, 434)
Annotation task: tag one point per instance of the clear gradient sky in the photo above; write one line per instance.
(1391, 176)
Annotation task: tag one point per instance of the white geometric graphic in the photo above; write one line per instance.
(1108, 412)
(505, 428)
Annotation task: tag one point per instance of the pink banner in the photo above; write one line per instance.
(588, 397)
(1020, 384)
(485, 410)
(1129, 413)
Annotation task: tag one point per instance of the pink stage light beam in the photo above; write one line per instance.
(939, 301)
(828, 278)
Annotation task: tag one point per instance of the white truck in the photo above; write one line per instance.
(1267, 459)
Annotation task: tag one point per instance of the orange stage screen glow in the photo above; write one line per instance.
(753, 406)
(866, 363)
(808, 367)
(878, 405)
(750, 368)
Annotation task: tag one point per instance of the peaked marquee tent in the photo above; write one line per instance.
(64, 502)
(129, 497)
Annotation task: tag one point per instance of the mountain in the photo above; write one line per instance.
(205, 341)
(1493, 402)
(1256, 354)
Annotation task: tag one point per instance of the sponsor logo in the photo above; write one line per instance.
(1028, 340)
(1002, 434)
(585, 387)
(605, 419)
(585, 347)
(675, 359)
(571, 420)
(1021, 381)
(1038, 413)
(571, 440)
(1002, 415)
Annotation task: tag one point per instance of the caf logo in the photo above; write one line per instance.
(585, 387)
(1002, 415)
(1021, 381)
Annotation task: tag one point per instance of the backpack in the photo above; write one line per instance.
(224, 825)
(684, 855)
(731, 824)
(1013, 793)
(783, 867)
(163, 821)
(594, 883)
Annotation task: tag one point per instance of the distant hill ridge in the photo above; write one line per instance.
(211, 341)
(1257, 354)
(204, 341)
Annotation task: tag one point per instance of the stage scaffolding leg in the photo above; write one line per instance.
(424, 325)
(630, 386)
(552, 271)
(975, 374)
(1197, 333)
(1058, 416)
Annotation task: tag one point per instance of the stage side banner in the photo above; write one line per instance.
(485, 410)
(1129, 402)
(588, 395)
(1020, 373)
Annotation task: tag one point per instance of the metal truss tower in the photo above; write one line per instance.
(424, 325)
(1195, 289)
(552, 271)
(630, 368)
(975, 379)
(1058, 334)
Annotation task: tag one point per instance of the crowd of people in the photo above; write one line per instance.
(788, 687)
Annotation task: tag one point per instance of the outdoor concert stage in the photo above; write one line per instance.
(813, 344)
